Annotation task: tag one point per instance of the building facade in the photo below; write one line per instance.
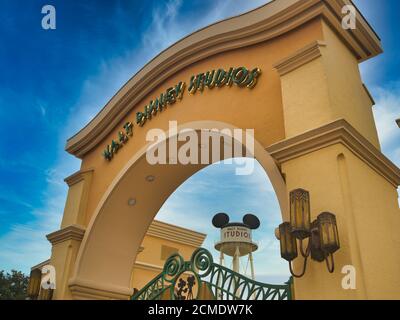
(297, 84)
(161, 241)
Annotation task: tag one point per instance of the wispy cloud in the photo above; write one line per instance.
(167, 26)
(217, 188)
(386, 111)
(211, 190)
(25, 244)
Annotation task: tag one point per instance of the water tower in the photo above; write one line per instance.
(236, 240)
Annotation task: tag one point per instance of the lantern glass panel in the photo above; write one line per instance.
(300, 213)
(328, 232)
(287, 242)
(317, 253)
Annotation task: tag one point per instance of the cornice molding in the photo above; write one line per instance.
(89, 290)
(157, 229)
(147, 266)
(73, 232)
(174, 233)
(337, 132)
(41, 265)
(77, 177)
(299, 58)
(264, 23)
(367, 39)
(369, 94)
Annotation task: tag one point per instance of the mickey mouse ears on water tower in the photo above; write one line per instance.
(221, 220)
(251, 221)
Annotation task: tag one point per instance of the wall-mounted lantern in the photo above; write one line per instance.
(322, 233)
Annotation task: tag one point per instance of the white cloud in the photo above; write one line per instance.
(42, 109)
(167, 26)
(25, 245)
(226, 191)
(386, 111)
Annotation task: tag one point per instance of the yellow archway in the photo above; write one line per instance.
(101, 248)
(313, 124)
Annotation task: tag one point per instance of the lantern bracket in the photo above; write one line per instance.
(322, 234)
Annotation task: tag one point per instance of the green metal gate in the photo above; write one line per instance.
(202, 279)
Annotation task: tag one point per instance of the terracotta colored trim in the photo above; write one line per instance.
(264, 23)
(337, 132)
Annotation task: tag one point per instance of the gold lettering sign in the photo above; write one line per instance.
(116, 144)
(241, 77)
(166, 98)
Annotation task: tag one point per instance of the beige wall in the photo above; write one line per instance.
(367, 215)
(365, 203)
(262, 104)
(150, 262)
(63, 257)
(326, 89)
(348, 98)
(259, 108)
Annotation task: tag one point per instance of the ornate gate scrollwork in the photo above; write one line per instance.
(201, 278)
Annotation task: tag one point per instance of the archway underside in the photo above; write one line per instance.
(106, 255)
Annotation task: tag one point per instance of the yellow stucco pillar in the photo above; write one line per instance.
(66, 241)
(332, 150)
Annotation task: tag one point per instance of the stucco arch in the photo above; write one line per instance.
(105, 256)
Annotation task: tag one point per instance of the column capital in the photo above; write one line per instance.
(77, 176)
(299, 57)
(336, 132)
(72, 232)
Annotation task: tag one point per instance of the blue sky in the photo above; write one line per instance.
(54, 82)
